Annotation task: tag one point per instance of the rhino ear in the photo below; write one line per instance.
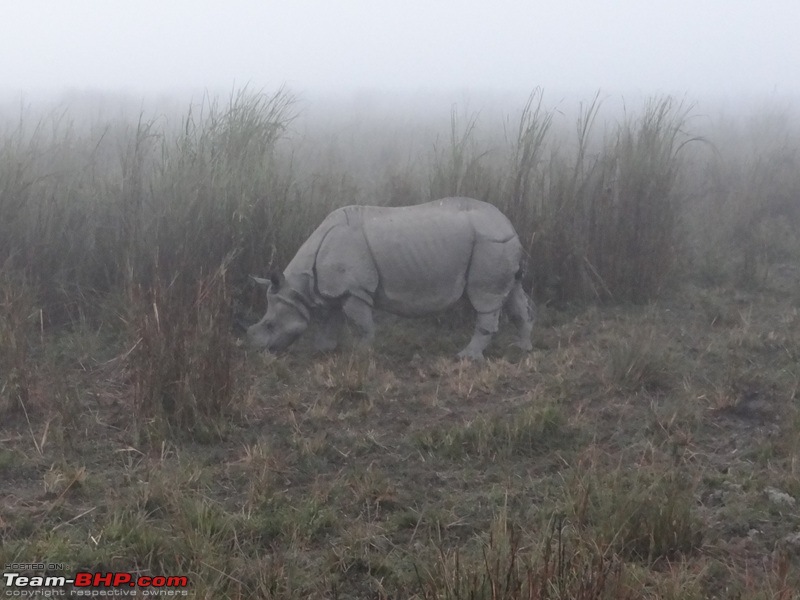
(276, 279)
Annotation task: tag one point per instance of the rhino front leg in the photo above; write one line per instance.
(486, 326)
(330, 329)
(522, 312)
(360, 314)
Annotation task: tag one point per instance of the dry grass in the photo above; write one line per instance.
(535, 479)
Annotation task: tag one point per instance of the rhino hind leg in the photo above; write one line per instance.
(486, 326)
(327, 338)
(522, 312)
(360, 314)
(491, 273)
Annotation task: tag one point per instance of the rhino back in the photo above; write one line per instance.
(422, 255)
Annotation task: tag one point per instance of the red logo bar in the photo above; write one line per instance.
(119, 579)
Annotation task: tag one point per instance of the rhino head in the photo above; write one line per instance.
(287, 316)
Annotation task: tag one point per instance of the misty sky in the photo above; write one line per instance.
(697, 47)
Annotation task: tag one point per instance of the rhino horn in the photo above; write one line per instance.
(259, 280)
(275, 280)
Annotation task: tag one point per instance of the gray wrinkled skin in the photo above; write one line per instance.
(282, 324)
(408, 261)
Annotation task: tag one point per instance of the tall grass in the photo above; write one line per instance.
(604, 224)
(599, 219)
(746, 207)
(167, 220)
(17, 323)
(567, 189)
(457, 168)
(53, 202)
(209, 209)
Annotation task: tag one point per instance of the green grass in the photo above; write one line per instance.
(644, 514)
(530, 431)
(640, 361)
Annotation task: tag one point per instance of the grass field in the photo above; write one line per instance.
(649, 446)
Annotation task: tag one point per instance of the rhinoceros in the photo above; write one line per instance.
(408, 261)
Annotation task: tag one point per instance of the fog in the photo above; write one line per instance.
(723, 49)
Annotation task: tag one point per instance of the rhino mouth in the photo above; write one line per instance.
(274, 344)
(282, 345)
(269, 347)
(241, 325)
(276, 349)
